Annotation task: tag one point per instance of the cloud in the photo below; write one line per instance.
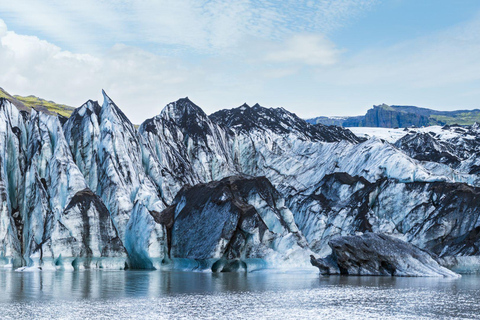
(33, 66)
(148, 53)
(219, 55)
(77, 25)
(140, 82)
(3, 28)
(207, 26)
(305, 49)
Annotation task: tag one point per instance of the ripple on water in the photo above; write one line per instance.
(261, 295)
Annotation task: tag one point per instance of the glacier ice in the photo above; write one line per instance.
(97, 189)
(379, 254)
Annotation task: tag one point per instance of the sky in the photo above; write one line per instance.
(312, 57)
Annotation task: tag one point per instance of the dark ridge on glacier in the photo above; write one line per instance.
(97, 230)
(345, 178)
(165, 139)
(437, 216)
(338, 133)
(424, 147)
(455, 146)
(457, 203)
(186, 142)
(280, 121)
(180, 110)
(238, 217)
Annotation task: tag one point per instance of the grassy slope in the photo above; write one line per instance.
(462, 118)
(27, 103)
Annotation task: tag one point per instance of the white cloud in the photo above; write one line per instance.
(207, 25)
(3, 28)
(79, 25)
(305, 49)
(33, 66)
(146, 54)
(140, 82)
(222, 54)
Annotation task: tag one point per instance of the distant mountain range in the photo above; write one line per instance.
(379, 116)
(402, 116)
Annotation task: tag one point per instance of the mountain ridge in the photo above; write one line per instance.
(388, 116)
(402, 116)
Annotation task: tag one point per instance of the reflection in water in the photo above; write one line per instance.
(159, 294)
(96, 284)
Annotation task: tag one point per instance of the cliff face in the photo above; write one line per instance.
(389, 117)
(402, 116)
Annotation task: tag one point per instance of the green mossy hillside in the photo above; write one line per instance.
(33, 102)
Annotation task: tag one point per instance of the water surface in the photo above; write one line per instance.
(257, 295)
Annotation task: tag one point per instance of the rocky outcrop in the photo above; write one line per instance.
(379, 255)
(381, 116)
(391, 117)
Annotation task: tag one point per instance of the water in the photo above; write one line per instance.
(258, 295)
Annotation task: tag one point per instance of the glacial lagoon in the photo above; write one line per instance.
(132, 294)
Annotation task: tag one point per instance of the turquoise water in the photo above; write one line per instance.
(257, 295)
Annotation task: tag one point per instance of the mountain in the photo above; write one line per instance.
(402, 116)
(280, 121)
(31, 102)
(241, 189)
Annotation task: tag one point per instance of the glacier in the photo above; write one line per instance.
(48, 214)
(241, 189)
